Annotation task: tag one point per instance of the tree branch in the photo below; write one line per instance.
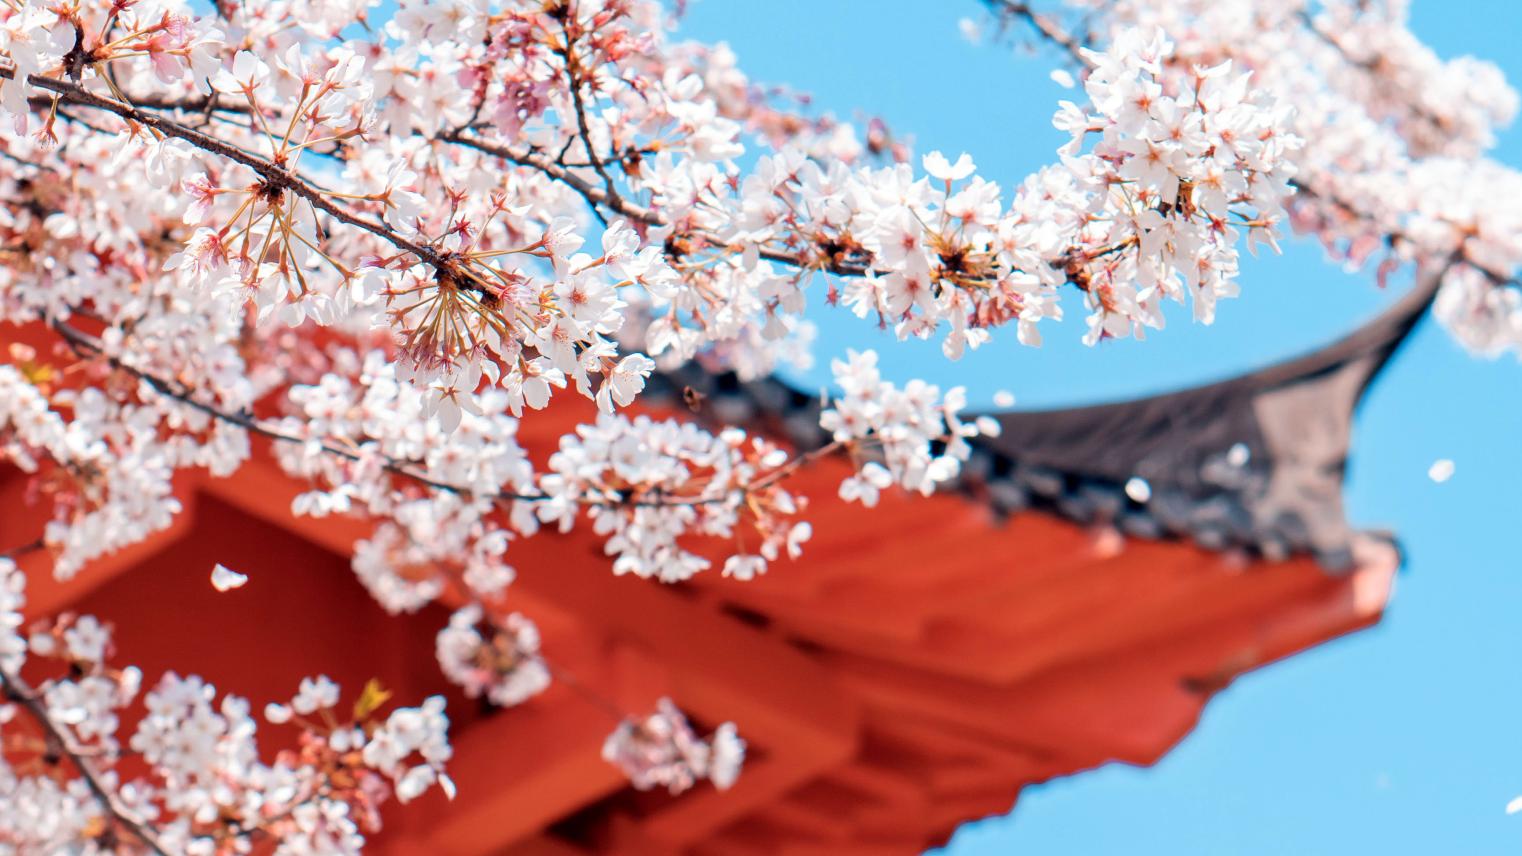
(86, 344)
(58, 738)
(1048, 29)
(596, 196)
(1043, 25)
(83, 342)
(571, 66)
(23, 549)
(272, 173)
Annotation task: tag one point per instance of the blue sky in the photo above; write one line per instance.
(1402, 739)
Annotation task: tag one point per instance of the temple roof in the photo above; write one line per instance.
(1255, 462)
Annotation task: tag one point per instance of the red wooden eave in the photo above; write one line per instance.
(920, 665)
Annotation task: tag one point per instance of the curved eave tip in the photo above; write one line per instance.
(1377, 558)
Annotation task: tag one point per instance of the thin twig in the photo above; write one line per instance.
(19, 691)
(87, 344)
(84, 342)
(571, 64)
(1044, 25)
(270, 172)
(22, 550)
(1051, 31)
(596, 196)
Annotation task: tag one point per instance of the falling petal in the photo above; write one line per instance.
(1441, 470)
(225, 579)
(970, 31)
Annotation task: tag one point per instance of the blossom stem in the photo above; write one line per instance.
(1051, 31)
(58, 738)
(86, 344)
(1044, 26)
(268, 171)
(24, 549)
(585, 132)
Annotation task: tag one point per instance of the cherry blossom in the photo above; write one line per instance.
(905, 425)
(204, 787)
(1392, 166)
(661, 750)
(369, 248)
(504, 666)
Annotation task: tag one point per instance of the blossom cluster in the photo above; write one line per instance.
(504, 665)
(903, 427)
(427, 536)
(1392, 172)
(1181, 167)
(107, 471)
(1156, 207)
(662, 751)
(645, 485)
(651, 482)
(202, 786)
